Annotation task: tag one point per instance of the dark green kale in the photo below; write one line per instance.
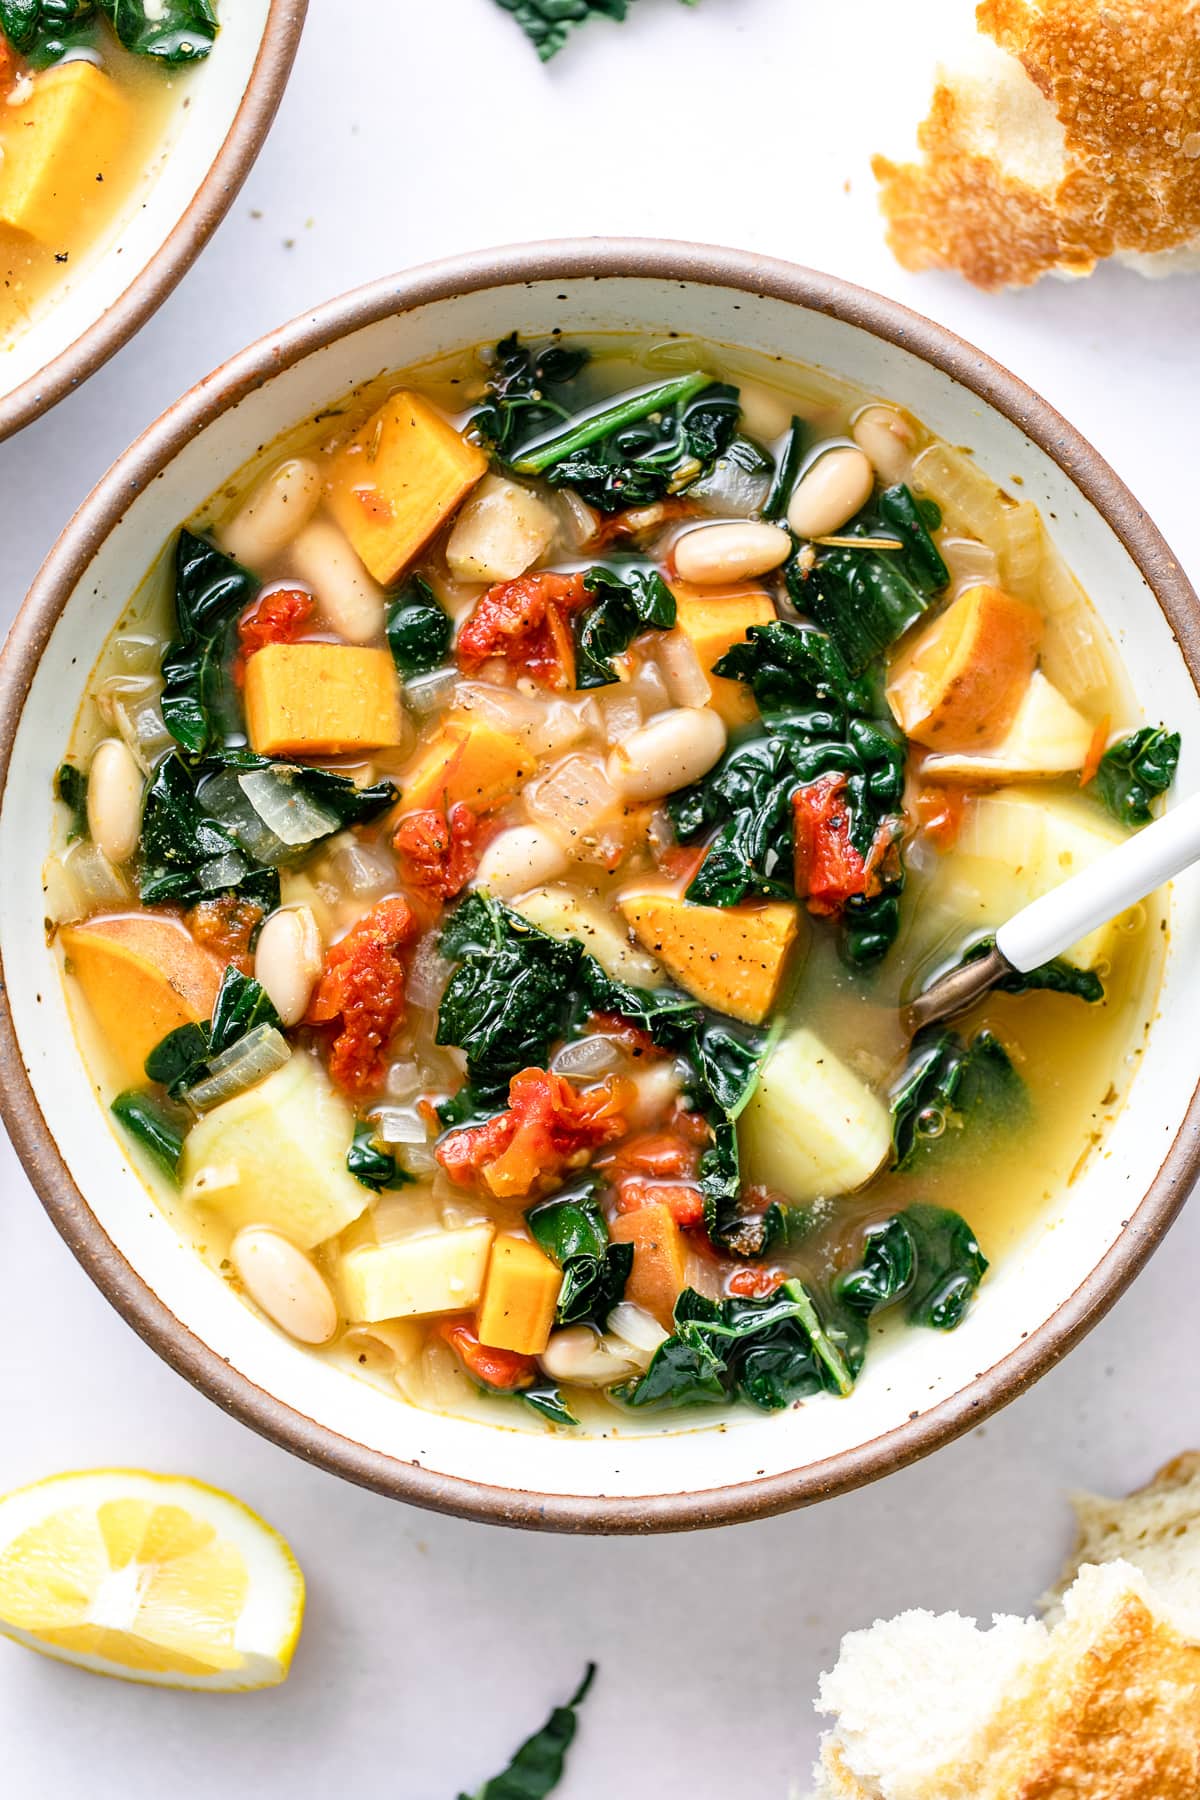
(640, 446)
(549, 23)
(946, 1085)
(201, 707)
(790, 667)
(44, 30)
(537, 1768)
(529, 394)
(183, 1058)
(791, 456)
(927, 1256)
(170, 31)
(546, 1400)
(866, 599)
(1134, 771)
(71, 787)
(157, 1127)
(624, 604)
(419, 632)
(570, 1228)
(371, 1163)
(1057, 977)
(769, 1351)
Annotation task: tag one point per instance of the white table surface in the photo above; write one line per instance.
(432, 1645)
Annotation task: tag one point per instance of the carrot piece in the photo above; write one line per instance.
(1095, 751)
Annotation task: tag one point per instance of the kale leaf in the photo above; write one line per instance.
(44, 30)
(625, 604)
(1134, 771)
(527, 391)
(769, 1351)
(156, 1126)
(71, 787)
(183, 1058)
(419, 632)
(927, 1256)
(537, 1768)
(369, 1162)
(546, 1400)
(865, 599)
(200, 705)
(953, 1082)
(170, 31)
(548, 23)
(570, 1228)
(1057, 977)
(788, 666)
(787, 471)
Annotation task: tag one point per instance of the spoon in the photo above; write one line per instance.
(1049, 925)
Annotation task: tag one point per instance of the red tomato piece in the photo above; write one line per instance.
(829, 870)
(362, 987)
(549, 1126)
(505, 1370)
(755, 1284)
(659, 1168)
(526, 622)
(280, 617)
(438, 850)
(940, 814)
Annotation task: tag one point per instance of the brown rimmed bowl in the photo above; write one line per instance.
(919, 1391)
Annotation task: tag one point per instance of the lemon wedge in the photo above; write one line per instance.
(151, 1578)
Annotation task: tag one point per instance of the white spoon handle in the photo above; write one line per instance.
(1047, 927)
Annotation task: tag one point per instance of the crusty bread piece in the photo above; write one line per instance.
(1101, 1703)
(1075, 136)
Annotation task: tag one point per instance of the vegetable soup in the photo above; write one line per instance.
(86, 91)
(500, 838)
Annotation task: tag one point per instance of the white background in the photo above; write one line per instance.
(414, 129)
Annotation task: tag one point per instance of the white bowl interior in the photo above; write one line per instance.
(908, 1373)
(213, 90)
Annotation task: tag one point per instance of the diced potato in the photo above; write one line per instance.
(56, 146)
(731, 958)
(715, 622)
(562, 913)
(1017, 844)
(468, 760)
(811, 1128)
(142, 975)
(398, 480)
(439, 1272)
(519, 1297)
(1047, 737)
(659, 1272)
(501, 531)
(958, 683)
(321, 700)
(276, 1155)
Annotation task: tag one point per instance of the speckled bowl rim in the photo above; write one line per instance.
(580, 260)
(175, 255)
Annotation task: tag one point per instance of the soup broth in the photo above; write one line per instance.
(500, 839)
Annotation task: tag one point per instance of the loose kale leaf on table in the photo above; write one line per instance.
(1134, 771)
(537, 1768)
(624, 604)
(201, 707)
(958, 1083)
(548, 23)
(570, 1229)
(927, 1256)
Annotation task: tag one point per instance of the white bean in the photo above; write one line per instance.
(580, 1354)
(348, 597)
(287, 1285)
(886, 436)
(114, 800)
(687, 683)
(830, 492)
(501, 531)
(278, 508)
(287, 961)
(675, 748)
(522, 857)
(736, 551)
(765, 412)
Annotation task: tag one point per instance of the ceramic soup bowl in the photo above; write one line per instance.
(919, 1388)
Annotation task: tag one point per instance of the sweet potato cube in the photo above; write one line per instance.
(142, 974)
(731, 958)
(469, 761)
(958, 684)
(659, 1272)
(57, 145)
(398, 480)
(519, 1297)
(715, 621)
(321, 700)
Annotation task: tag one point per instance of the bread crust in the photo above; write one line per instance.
(1122, 78)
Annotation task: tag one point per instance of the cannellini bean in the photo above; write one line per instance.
(278, 508)
(675, 748)
(114, 800)
(831, 491)
(287, 961)
(687, 684)
(736, 551)
(886, 436)
(286, 1283)
(578, 1353)
(766, 413)
(350, 600)
(523, 857)
(501, 531)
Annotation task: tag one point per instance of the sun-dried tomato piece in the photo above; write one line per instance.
(549, 1126)
(505, 1370)
(280, 617)
(362, 986)
(225, 926)
(526, 622)
(438, 850)
(754, 1284)
(659, 1168)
